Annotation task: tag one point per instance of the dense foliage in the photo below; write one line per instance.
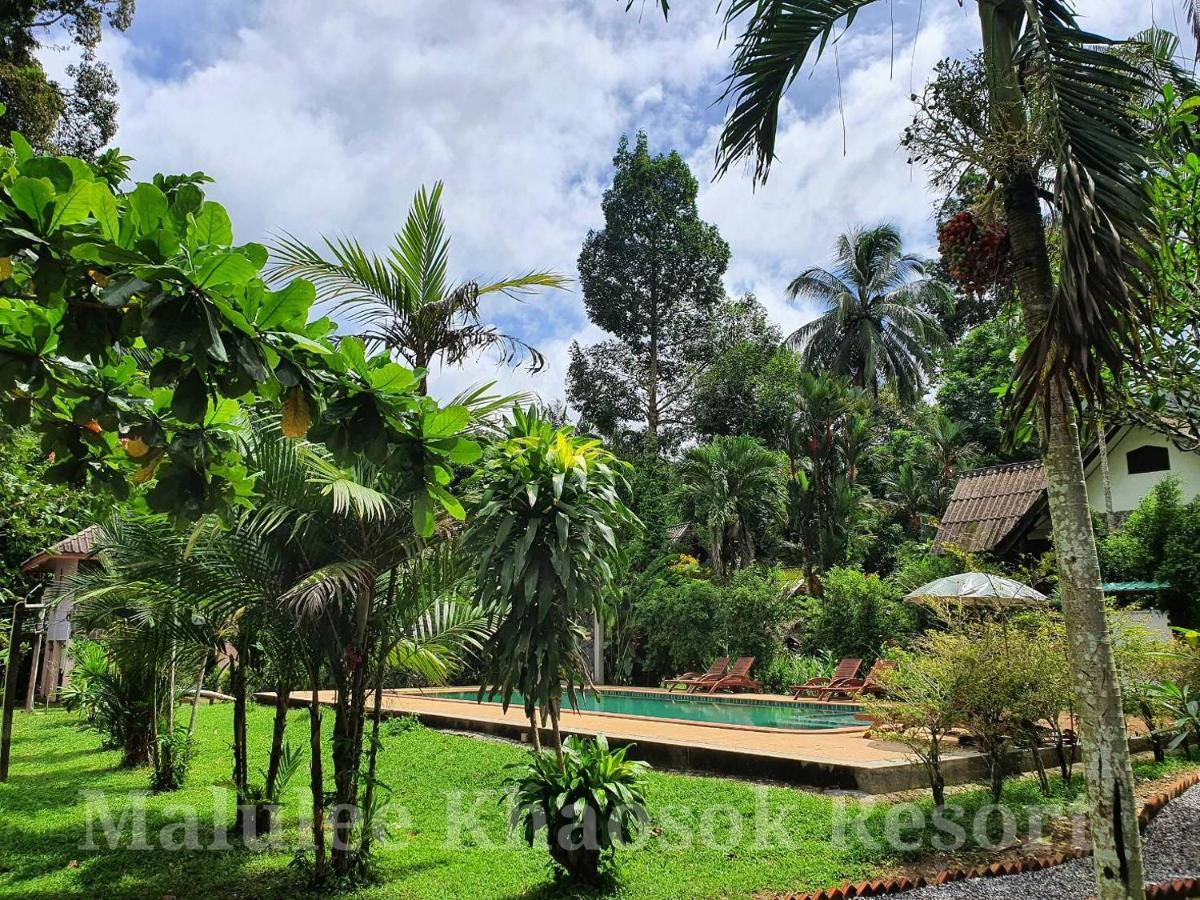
(652, 278)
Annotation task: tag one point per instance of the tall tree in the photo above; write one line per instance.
(651, 277)
(404, 301)
(827, 437)
(1077, 329)
(875, 326)
(79, 119)
(740, 347)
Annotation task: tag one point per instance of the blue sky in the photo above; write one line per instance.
(320, 117)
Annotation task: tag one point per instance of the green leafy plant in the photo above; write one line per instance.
(587, 806)
(544, 535)
(175, 754)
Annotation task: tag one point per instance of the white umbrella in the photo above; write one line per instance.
(978, 588)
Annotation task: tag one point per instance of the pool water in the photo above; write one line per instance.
(699, 708)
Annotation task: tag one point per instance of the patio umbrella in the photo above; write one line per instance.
(977, 589)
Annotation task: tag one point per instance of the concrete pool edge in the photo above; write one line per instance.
(695, 749)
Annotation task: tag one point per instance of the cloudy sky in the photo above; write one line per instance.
(324, 118)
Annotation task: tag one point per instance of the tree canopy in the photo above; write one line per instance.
(651, 277)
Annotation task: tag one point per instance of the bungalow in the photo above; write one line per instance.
(61, 562)
(1003, 509)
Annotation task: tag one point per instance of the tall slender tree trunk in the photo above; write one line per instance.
(377, 718)
(1105, 473)
(196, 700)
(652, 411)
(347, 742)
(1112, 810)
(316, 774)
(283, 694)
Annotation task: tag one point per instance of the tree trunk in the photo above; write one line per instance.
(283, 693)
(652, 411)
(31, 688)
(555, 703)
(316, 776)
(10, 687)
(376, 719)
(196, 700)
(1116, 839)
(1106, 476)
(347, 742)
(535, 737)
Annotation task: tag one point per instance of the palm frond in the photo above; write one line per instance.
(1094, 317)
(778, 38)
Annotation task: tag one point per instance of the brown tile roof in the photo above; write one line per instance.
(78, 546)
(988, 504)
(676, 533)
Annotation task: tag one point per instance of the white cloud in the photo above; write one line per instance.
(318, 117)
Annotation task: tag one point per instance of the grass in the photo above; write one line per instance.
(709, 837)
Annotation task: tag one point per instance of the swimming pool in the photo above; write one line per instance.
(744, 711)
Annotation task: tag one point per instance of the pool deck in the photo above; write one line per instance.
(837, 758)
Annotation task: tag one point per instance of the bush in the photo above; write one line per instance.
(787, 669)
(685, 622)
(1160, 541)
(593, 802)
(857, 615)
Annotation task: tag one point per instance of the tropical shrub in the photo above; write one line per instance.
(1160, 541)
(115, 703)
(175, 755)
(919, 710)
(786, 669)
(732, 492)
(544, 545)
(856, 615)
(588, 805)
(685, 622)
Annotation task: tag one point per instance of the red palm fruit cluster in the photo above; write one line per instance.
(975, 253)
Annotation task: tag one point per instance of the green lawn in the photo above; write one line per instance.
(58, 773)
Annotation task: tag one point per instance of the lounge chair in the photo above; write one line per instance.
(691, 680)
(738, 678)
(846, 670)
(856, 687)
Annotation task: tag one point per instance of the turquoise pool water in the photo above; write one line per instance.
(697, 708)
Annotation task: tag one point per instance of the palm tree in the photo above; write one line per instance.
(732, 491)
(825, 440)
(404, 300)
(1079, 330)
(544, 531)
(876, 325)
(151, 630)
(908, 491)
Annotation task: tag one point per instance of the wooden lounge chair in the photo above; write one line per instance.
(846, 670)
(738, 678)
(856, 687)
(692, 680)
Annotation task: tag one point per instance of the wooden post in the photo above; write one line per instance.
(10, 687)
(33, 671)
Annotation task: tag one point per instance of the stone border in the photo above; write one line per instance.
(1179, 887)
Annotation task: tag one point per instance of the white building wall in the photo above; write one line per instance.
(1128, 490)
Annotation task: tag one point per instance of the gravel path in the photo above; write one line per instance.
(1172, 849)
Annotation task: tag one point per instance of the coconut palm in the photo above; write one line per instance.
(1079, 329)
(876, 325)
(732, 492)
(403, 300)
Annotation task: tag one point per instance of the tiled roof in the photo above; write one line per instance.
(676, 533)
(988, 504)
(78, 546)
